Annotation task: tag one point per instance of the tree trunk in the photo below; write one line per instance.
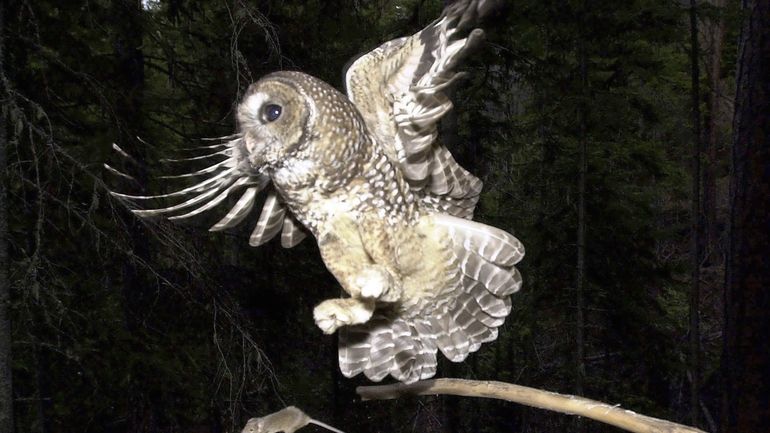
(746, 359)
(580, 372)
(129, 78)
(127, 32)
(6, 388)
(710, 232)
(44, 397)
(695, 222)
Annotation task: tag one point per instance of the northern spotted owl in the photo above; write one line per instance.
(367, 176)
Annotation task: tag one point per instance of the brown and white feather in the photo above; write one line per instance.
(389, 206)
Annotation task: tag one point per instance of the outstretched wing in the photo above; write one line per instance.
(400, 89)
(221, 179)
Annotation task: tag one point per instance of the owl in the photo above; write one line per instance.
(367, 176)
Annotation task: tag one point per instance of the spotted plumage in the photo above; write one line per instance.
(367, 176)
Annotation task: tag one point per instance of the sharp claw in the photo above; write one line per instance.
(331, 314)
(376, 283)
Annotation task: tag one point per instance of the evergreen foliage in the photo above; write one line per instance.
(128, 326)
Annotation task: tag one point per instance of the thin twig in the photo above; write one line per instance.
(569, 404)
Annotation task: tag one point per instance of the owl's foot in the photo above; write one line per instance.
(333, 313)
(375, 282)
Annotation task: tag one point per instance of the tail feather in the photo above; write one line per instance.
(425, 361)
(381, 352)
(500, 281)
(451, 338)
(385, 346)
(493, 305)
(426, 345)
(469, 316)
(354, 348)
(456, 321)
(494, 309)
(404, 351)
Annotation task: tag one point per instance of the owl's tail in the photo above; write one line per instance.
(457, 322)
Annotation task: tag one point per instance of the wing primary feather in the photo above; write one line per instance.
(292, 233)
(224, 137)
(270, 221)
(240, 210)
(212, 182)
(435, 88)
(218, 199)
(124, 154)
(232, 141)
(417, 71)
(207, 170)
(493, 244)
(185, 204)
(117, 172)
(207, 147)
(226, 152)
(141, 140)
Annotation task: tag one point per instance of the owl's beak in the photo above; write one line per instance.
(251, 151)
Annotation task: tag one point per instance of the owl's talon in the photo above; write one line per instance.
(328, 326)
(376, 283)
(331, 314)
(372, 282)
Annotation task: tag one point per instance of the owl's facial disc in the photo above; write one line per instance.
(272, 118)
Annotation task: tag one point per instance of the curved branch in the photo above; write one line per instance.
(569, 404)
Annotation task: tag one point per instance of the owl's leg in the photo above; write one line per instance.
(346, 257)
(333, 313)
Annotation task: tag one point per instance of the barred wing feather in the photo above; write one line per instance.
(400, 88)
(222, 179)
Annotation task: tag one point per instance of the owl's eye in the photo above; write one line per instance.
(272, 112)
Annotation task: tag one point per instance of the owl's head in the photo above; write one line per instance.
(294, 130)
(273, 117)
(290, 113)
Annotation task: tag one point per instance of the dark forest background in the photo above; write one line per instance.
(603, 131)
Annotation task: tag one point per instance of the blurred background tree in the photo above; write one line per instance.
(577, 115)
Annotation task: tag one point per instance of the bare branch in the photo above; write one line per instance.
(569, 404)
